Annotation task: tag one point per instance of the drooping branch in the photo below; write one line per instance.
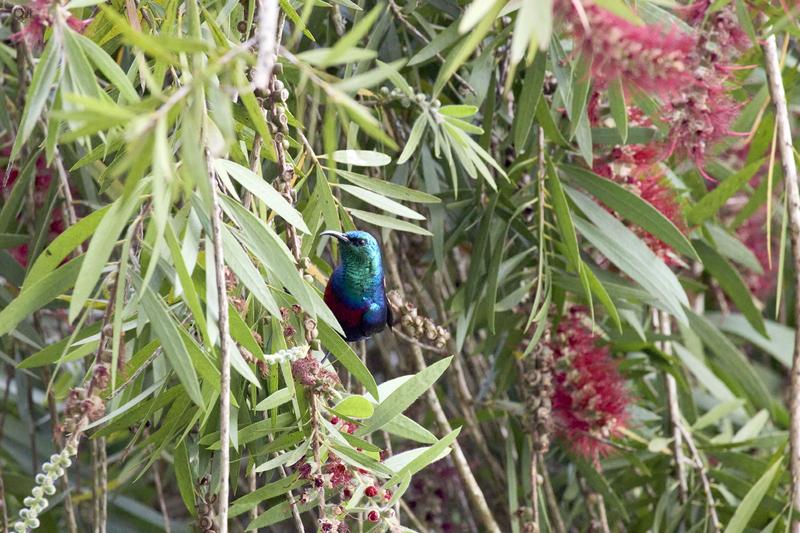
(786, 149)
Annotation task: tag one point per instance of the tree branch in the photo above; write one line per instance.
(225, 361)
(786, 148)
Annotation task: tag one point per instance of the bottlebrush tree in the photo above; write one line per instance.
(586, 212)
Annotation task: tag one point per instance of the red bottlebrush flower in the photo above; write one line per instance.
(7, 181)
(633, 166)
(20, 254)
(590, 398)
(753, 235)
(371, 491)
(653, 57)
(40, 18)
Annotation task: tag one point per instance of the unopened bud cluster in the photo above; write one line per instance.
(289, 354)
(538, 379)
(415, 325)
(420, 99)
(45, 486)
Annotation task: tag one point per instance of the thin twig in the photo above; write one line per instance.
(786, 148)
(3, 501)
(556, 522)
(225, 361)
(315, 441)
(411, 340)
(162, 503)
(662, 323)
(535, 489)
(703, 473)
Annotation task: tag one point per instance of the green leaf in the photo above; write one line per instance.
(352, 38)
(263, 191)
(633, 208)
(108, 67)
(100, 248)
(732, 248)
(731, 365)
(413, 138)
(37, 295)
(714, 200)
(355, 407)
(63, 245)
(619, 109)
(459, 54)
(441, 40)
(45, 74)
(167, 332)
(752, 500)
(425, 458)
(264, 492)
(731, 282)
(406, 394)
(623, 248)
(183, 475)
(360, 158)
(389, 222)
(345, 355)
(381, 202)
(779, 344)
(387, 188)
(529, 100)
(458, 111)
(273, 253)
(275, 399)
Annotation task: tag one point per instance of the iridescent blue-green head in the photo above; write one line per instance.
(359, 252)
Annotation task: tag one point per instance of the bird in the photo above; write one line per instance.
(356, 292)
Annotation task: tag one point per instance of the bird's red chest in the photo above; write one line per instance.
(346, 315)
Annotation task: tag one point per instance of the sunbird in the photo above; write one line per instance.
(355, 291)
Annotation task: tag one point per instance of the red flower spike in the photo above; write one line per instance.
(590, 398)
(650, 56)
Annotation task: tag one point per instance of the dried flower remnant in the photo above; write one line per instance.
(590, 397)
(701, 115)
(310, 373)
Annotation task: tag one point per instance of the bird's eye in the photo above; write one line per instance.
(360, 242)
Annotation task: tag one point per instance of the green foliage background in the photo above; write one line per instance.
(428, 123)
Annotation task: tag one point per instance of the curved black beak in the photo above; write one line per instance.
(335, 234)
